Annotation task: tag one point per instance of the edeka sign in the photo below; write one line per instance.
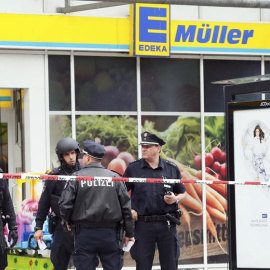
(151, 30)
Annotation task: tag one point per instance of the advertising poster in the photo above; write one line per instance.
(26, 211)
(251, 132)
(183, 138)
(26, 254)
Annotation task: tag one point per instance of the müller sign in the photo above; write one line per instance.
(212, 34)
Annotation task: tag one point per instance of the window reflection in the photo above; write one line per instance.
(59, 83)
(105, 83)
(60, 127)
(170, 85)
(216, 70)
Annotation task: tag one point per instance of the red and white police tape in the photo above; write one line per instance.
(34, 176)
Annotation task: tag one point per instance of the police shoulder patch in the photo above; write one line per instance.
(134, 161)
(55, 171)
(170, 163)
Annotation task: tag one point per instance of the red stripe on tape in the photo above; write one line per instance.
(188, 181)
(253, 183)
(12, 176)
(221, 182)
(154, 180)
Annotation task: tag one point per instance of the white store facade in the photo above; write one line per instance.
(62, 68)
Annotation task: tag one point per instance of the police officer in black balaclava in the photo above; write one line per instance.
(67, 150)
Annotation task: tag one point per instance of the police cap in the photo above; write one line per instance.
(149, 138)
(94, 149)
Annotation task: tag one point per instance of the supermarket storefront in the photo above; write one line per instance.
(110, 79)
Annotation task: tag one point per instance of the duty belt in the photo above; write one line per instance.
(152, 218)
(169, 217)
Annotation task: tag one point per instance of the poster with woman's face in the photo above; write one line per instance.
(252, 202)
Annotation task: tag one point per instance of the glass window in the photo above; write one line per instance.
(267, 71)
(59, 83)
(60, 127)
(216, 70)
(267, 67)
(171, 85)
(105, 83)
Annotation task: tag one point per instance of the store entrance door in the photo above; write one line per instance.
(11, 130)
(12, 136)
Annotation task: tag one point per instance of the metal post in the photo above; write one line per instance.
(216, 3)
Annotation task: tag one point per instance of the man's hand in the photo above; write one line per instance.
(38, 235)
(170, 199)
(127, 239)
(134, 214)
(68, 227)
(13, 236)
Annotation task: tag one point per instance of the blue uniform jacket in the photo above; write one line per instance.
(51, 187)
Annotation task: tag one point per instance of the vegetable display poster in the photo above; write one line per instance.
(182, 134)
(252, 202)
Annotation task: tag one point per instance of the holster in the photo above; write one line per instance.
(120, 231)
(53, 222)
(178, 213)
(75, 228)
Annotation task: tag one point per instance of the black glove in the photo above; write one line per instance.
(13, 235)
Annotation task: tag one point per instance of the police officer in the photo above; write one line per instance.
(7, 215)
(67, 150)
(154, 206)
(95, 208)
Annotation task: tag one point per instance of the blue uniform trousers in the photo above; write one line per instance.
(62, 248)
(103, 242)
(147, 235)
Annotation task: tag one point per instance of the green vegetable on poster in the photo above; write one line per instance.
(119, 131)
(183, 137)
(214, 127)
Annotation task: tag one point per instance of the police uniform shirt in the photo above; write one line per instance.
(148, 198)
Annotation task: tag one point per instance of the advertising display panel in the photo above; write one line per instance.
(249, 136)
